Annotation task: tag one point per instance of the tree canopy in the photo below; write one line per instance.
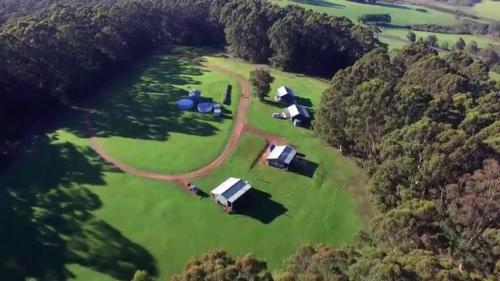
(427, 129)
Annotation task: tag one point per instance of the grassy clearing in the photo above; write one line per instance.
(488, 9)
(138, 121)
(401, 14)
(83, 217)
(397, 37)
(494, 76)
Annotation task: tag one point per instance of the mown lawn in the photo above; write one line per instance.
(138, 122)
(83, 219)
(488, 9)
(400, 14)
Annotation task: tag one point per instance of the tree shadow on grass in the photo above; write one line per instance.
(47, 219)
(303, 167)
(321, 3)
(142, 103)
(391, 5)
(279, 105)
(259, 205)
(303, 101)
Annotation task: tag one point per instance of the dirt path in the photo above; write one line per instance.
(239, 128)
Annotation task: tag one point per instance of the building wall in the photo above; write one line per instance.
(277, 164)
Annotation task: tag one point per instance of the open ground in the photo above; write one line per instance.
(402, 15)
(97, 220)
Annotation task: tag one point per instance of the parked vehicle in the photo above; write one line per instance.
(277, 115)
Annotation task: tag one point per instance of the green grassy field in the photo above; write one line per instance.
(396, 38)
(400, 14)
(87, 221)
(494, 76)
(139, 124)
(488, 9)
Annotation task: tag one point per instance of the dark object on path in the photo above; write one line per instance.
(227, 98)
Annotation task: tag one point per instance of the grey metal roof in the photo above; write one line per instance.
(236, 191)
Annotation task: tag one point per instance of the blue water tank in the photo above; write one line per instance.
(205, 107)
(185, 104)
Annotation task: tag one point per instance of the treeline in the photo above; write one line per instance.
(375, 18)
(464, 27)
(62, 53)
(16, 8)
(363, 262)
(292, 38)
(427, 130)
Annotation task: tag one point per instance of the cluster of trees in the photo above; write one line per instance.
(427, 129)
(375, 18)
(62, 53)
(488, 55)
(261, 81)
(363, 262)
(292, 38)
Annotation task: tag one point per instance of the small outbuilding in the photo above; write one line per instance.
(297, 114)
(285, 94)
(228, 192)
(281, 156)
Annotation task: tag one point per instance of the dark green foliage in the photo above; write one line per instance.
(261, 80)
(375, 18)
(315, 43)
(291, 38)
(472, 48)
(422, 123)
(246, 24)
(432, 40)
(411, 36)
(368, 263)
(216, 265)
(460, 44)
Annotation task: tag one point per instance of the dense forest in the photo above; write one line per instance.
(426, 128)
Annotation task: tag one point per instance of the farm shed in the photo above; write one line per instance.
(285, 94)
(228, 192)
(297, 114)
(281, 156)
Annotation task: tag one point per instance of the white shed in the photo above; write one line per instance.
(285, 94)
(229, 191)
(281, 156)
